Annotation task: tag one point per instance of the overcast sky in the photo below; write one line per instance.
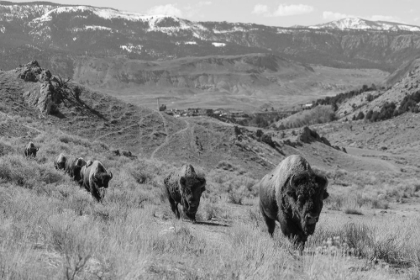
(269, 12)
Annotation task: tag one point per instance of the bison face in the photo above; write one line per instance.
(78, 165)
(192, 188)
(102, 179)
(305, 196)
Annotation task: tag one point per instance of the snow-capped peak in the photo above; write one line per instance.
(355, 23)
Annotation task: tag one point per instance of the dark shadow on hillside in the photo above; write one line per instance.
(79, 103)
(58, 114)
(211, 224)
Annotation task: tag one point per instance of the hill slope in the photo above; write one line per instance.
(144, 132)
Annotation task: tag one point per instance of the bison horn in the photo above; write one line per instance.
(110, 175)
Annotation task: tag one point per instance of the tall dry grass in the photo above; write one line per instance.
(52, 229)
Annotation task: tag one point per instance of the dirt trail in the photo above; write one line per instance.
(115, 132)
(168, 138)
(22, 124)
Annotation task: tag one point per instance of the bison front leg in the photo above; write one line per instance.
(298, 243)
(174, 207)
(96, 194)
(271, 223)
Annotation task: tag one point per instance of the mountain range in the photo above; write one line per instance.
(31, 28)
(111, 49)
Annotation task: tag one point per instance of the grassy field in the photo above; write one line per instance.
(52, 229)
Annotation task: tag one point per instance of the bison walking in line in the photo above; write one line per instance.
(293, 195)
(73, 168)
(60, 162)
(95, 178)
(185, 187)
(30, 150)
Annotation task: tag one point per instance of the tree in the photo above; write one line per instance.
(360, 116)
(375, 116)
(334, 106)
(369, 115)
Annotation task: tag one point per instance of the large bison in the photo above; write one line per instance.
(30, 150)
(95, 178)
(185, 187)
(293, 195)
(60, 162)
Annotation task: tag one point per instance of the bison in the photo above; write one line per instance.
(74, 167)
(30, 150)
(293, 195)
(95, 179)
(61, 162)
(185, 187)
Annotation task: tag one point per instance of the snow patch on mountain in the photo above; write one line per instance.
(130, 48)
(354, 23)
(218, 45)
(234, 29)
(92, 28)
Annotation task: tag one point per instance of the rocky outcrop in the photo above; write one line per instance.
(307, 136)
(32, 72)
(47, 97)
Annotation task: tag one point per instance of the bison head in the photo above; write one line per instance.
(102, 180)
(192, 186)
(304, 200)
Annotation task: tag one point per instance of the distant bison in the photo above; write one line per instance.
(30, 150)
(293, 195)
(73, 168)
(185, 187)
(95, 178)
(61, 162)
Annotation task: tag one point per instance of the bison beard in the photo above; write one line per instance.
(185, 187)
(293, 195)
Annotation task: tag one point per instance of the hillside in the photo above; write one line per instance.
(52, 229)
(243, 82)
(28, 92)
(405, 83)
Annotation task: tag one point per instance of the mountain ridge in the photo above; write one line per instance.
(357, 23)
(72, 30)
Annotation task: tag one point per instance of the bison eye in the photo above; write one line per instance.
(301, 198)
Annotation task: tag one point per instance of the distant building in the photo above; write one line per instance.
(307, 106)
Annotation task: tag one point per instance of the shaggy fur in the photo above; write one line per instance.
(74, 167)
(95, 179)
(30, 150)
(185, 187)
(293, 195)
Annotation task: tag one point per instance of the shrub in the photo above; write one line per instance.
(319, 114)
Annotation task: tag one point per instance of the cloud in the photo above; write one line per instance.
(260, 9)
(167, 9)
(291, 10)
(282, 10)
(194, 10)
(204, 3)
(384, 18)
(327, 15)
